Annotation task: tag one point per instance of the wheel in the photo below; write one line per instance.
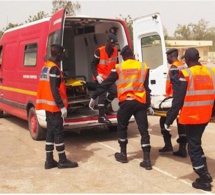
(1, 113)
(36, 131)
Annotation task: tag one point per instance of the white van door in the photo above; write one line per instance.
(149, 47)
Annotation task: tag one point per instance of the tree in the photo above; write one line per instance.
(1, 33)
(38, 16)
(11, 25)
(166, 36)
(183, 32)
(71, 7)
(192, 31)
(129, 22)
(199, 31)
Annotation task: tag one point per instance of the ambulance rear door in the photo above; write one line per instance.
(149, 47)
(56, 30)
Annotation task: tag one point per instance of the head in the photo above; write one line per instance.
(112, 40)
(127, 53)
(57, 52)
(191, 56)
(172, 55)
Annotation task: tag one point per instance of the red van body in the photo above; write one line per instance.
(24, 49)
(22, 53)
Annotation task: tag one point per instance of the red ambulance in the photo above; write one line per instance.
(23, 50)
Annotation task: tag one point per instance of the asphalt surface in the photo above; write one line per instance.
(22, 162)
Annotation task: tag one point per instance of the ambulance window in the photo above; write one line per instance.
(30, 54)
(54, 38)
(152, 51)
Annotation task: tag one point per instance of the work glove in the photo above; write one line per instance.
(167, 127)
(150, 111)
(63, 112)
(99, 79)
(92, 103)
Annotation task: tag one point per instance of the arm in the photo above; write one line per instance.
(95, 62)
(177, 102)
(105, 84)
(174, 78)
(148, 90)
(55, 81)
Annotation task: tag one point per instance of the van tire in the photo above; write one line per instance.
(36, 131)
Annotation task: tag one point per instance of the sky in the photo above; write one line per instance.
(172, 12)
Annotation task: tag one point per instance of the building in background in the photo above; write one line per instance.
(202, 46)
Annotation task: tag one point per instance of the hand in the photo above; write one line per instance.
(92, 103)
(150, 111)
(167, 127)
(63, 112)
(99, 79)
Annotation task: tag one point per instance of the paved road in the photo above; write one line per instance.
(22, 163)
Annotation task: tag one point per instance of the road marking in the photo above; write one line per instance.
(159, 170)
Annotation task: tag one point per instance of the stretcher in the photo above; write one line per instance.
(160, 104)
(163, 113)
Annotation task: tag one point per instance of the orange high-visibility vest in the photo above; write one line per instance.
(45, 99)
(200, 95)
(130, 84)
(180, 65)
(106, 64)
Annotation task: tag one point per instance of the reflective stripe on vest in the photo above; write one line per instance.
(180, 66)
(106, 64)
(130, 83)
(45, 99)
(200, 95)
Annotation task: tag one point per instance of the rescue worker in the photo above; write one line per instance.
(105, 58)
(195, 99)
(131, 77)
(171, 86)
(51, 97)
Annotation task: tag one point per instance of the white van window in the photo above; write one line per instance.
(152, 51)
(30, 54)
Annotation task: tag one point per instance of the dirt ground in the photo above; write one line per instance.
(22, 162)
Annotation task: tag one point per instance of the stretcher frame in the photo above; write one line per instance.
(163, 113)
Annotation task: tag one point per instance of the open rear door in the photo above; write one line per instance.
(149, 47)
(57, 24)
(56, 29)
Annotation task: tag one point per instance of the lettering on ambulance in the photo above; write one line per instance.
(29, 76)
(57, 21)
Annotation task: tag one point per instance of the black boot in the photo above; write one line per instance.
(65, 163)
(50, 162)
(146, 163)
(122, 156)
(167, 140)
(182, 152)
(102, 117)
(203, 182)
